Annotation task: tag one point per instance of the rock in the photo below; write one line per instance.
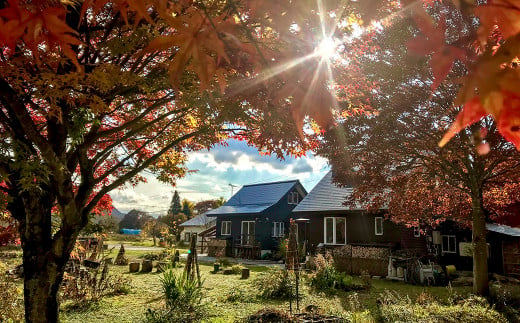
(146, 266)
(133, 267)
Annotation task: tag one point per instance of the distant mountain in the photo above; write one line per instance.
(117, 214)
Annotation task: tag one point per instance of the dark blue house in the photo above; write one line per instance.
(256, 218)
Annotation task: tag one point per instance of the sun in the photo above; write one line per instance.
(326, 49)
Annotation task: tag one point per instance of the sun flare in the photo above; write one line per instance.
(326, 48)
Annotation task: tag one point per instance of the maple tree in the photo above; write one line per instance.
(392, 157)
(94, 92)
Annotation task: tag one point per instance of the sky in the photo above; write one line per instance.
(236, 164)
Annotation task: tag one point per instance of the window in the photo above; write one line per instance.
(293, 198)
(335, 230)
(416, 232)
(187, 236)
(278, 229)
(378, 221)
(225, 228)
(449, 244)
(248, 233)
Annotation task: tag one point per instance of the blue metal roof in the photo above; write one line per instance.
(255, 198)
(503, 229)
(199, 220)
(326, 196)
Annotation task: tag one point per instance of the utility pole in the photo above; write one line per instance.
(232, 186)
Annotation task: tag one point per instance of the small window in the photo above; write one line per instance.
(416, 232)
(293, 198)
(378, 221)
(278, 229)
(225, 228)
(449, 244)
(187, 236)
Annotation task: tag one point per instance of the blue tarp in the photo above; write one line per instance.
(130, 231)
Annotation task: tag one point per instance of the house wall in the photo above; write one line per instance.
(361, 230)
(192, 230)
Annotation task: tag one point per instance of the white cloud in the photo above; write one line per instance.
(236, 164)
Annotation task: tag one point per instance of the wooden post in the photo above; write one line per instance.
(192, 264)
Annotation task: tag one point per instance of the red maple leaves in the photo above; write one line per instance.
(490, 88)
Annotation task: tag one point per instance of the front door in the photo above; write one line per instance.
(248, 233)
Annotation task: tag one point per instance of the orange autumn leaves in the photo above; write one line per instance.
(491, 86)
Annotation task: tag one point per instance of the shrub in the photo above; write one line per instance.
(183, 299)
(394, 308)
(325, 276)
(11, 299)
(237, 269)
(506, 298)
(238, 295)
(84, 286)
(274, 284)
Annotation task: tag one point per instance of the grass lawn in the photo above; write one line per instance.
(228, 298)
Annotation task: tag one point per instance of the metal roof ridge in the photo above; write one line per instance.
(271, 183)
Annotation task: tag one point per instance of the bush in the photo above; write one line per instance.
(237, 269)
(11, 299)
(275, 284)
(506, 298)
(394, 308)
(326, 277)
(84, 286)
(238, 295)
(183, 299)
(270, 315)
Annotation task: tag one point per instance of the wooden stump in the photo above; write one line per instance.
(228, 272)
(133, 267)
(146, 266)
(245, 273)
(162, 266)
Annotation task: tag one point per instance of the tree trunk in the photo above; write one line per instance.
(480, 250)
(42, 279)
(44, 258)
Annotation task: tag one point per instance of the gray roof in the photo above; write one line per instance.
(255, 198)
(199, 220)
(503, 229)
(325, 196)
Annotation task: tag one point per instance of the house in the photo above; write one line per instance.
(256, 218)
(196, 226)
(325, 221)
(452, 246)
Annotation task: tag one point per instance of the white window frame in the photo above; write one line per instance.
(416, 232)
(293, 198)
(187, 235)
(225, 228)
(248, 232)
(376, 227)
(334, 230)
(447, 249)
(278, 229)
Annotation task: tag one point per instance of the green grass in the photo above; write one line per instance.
(228, 298)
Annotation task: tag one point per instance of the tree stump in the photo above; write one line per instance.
(146, 266)
(227, 271)
(245, 273)
(133, 267)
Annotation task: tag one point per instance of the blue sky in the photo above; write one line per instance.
(236, 164)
